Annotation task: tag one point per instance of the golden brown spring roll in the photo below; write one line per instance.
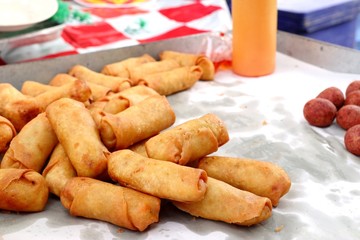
(261, 178)
(189, 141)
(17, 107)
(78, 134)
(32, 88)
(22, 190)
(223, 202)
(32, 146)
(136, 123)
(139, 148)
(77, 90)
(141, 71)
(118, 102)
(7, 133)
(158, 178)
(187, 59)
(116, 84)
(58, 170)
(124, 207)
(172, 81)
(120, 69)
(97, 91)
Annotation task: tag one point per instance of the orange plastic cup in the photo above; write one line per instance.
(254, 37)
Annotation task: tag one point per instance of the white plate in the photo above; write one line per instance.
(16, 15)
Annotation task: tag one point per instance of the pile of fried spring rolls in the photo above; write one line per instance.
(104, 144)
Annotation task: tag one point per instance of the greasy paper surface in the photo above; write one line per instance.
(264, 119)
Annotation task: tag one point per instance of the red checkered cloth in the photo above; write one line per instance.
(118, 27)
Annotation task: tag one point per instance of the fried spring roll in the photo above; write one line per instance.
(124, 207)
(32, 88)
(187, 59)
(7, 133)
(116, 84)
(223, 202)
(32, 146)
(97, 91)
(188, 141)
(78, 134)
(120, 69)
(136, 123)
(58, 170)
(172, 81)
(261, 178)
(157, 178)
(16, 107)
(118, 102)
(77, 90)
(22, 190)
(139, 148)
(141, 71)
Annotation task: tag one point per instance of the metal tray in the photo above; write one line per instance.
(264, 119)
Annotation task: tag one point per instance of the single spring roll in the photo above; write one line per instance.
(118, 102)
(223, 202)
(139, 148)
(7, 133)
(157, 178)
(120, 68)
(78, 134)
(32, 146)
(188, 59)
(261, 178)
(97, 91)
(32, 88)
(116, 84)
(141, 71)
(77, 90)
(172, 81)
(22, 190)
(124, 207)
(58, 170)
(16, 107)
(189, 141)
(136, 123)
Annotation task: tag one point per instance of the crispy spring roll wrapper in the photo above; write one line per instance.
(172, 81)
(77, 90)
(58, 170)
(18, 108)
(141, 71)
(139, 148)
(120, 69)
(136, 123)
(261, 178)
(78, 134)
(158, 178)
(32, 88)
(118, 102)
(22, 190)
(97, 91)
(223, 202)
(124, 207)
(116, 84)
(32, 146)
(189, 141)
(7, 133)
(187, 59)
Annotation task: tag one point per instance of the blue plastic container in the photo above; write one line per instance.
(332, 21)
